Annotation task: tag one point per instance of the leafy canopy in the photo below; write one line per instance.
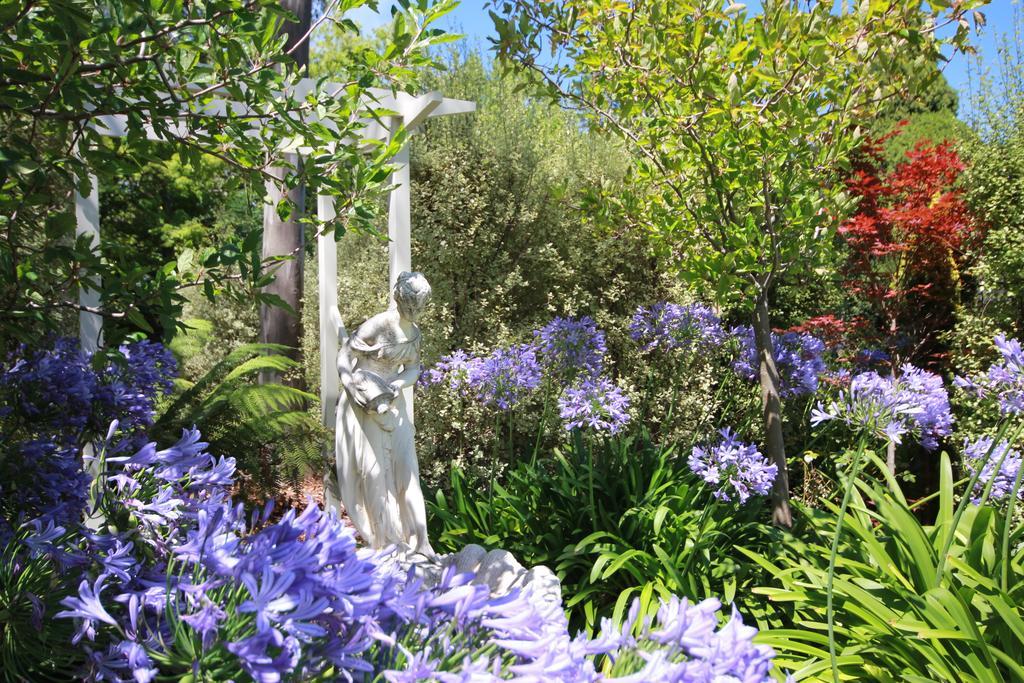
(740, 123)
(164, 69)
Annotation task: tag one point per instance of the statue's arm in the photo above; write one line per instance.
(364, 339)
(347, 366)
(407, 377)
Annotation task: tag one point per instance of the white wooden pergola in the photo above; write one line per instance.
(404, 110)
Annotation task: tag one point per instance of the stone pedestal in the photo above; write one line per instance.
(497, 569)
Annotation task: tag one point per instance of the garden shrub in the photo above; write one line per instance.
(616, 519)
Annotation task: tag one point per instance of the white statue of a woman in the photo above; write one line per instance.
(375, 451)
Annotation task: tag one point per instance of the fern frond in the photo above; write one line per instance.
(260, 363)
(266, 427)
(261, 399)
(212, 380)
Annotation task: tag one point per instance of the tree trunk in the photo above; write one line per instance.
(283, 238)
(771, 405)
(894, 364)
(286, 237)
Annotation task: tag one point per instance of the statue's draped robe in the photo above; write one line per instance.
(366, 452)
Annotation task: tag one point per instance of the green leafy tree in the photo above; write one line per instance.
(740, 125)
(161, 68)
(929, 113)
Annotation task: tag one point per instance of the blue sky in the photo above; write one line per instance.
(471, 18)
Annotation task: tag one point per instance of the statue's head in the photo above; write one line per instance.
(412, 292)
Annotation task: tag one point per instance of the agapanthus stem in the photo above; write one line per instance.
(494, 461)
(833, 555)
(590, 484)
(540, 429)
(511, 444)
(701, 526)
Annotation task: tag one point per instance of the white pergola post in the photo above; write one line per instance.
(330, 319)
(87, 222)
(399, 216)
(410, 113)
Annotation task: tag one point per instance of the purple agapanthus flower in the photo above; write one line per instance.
(798, 358)
(667, 326)
(501, 379)
(1004, 379)
(506, 376)
(596, 404)
(455, 369)
(206, 621)
(914, 402)
(53, 402)
(999, 465)
(735, 469)
(88, 608)
(571, 347)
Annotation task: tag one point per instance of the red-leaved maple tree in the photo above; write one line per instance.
(908, 245)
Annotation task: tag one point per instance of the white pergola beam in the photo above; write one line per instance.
(412, 109)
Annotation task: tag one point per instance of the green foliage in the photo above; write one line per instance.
(994, 189)
(265, 427)
(502, 190)
(740, 124)
(34, 645)
(172, 212)
(903, 612)
(932, 93)
(615, 520)
(160, 70)
(932, 127)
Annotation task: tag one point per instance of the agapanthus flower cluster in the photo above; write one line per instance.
(798, 358)
(914, 402)
(667, 326)
(455, 370)
(999, 465)
(683, 643)
(57, 392)
(733, 468)
(506, 376)
(1004, 379)
(569, 348)
(53, 402)
(184, 582)
(596, 404)
(39, 477)
(501, 379)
